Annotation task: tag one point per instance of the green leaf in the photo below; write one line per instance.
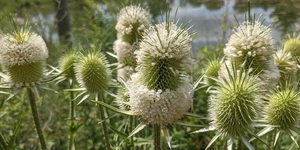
(14, 136)
(119, 133)
(124, 112)
(245, 141)
(212, 141)
(189, 125)
(138, 128)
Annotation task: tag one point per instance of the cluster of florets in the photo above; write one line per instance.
(160, 91)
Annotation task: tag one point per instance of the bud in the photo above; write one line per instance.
(92, 72)
(211, 71)
(67, 62)
(131, 23)
(283, 108)
(292, 45)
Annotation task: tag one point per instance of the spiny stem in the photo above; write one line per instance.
(36, 118)
(156, 137)
(72, 117)
(105, 131)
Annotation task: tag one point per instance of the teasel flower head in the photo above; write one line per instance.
(283, 108)
(287, 66)
(67, 63)
(164, 54)
(212, 69)
(237, 95)
(251, 47)
(160, 92)
(22, 55)
(161, 107)
(292, 45)
(92, 72)
(282, 112)
(234, 104)
(132, 21)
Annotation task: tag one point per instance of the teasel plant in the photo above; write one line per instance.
(251, 46)
(132, 22)
(281, 115)
(66, 72)
(22, 58)
(93, 75)
(234, 103)
(161, 90)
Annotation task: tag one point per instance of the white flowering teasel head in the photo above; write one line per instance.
(132, 21)
(251, 45)
(163, 56)
(22, 55)
(160, 92)
(158, 106)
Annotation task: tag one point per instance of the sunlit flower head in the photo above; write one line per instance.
(92, 72)
(22, 55)
(132, 22)
(21, 48)
(286, 64)
(158, 106)
(250, 44)
(164, 53)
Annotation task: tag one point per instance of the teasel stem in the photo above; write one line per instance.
(36, 118)
(156, 132)
(2, 141)
(271, 139)
(72, 116)
(102, 117)
(131, 119)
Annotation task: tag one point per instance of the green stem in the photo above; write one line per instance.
(271, 139)
(130, 129)
(36, 118)
(156, 137)
(2, 141)
(105, 131)
(72, 117)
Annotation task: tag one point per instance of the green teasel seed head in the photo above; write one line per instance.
(292, 45)
(28, 74)
(123, 98)
(211, 71)
(283, 108)
(234, 103)
(92, 72)
(67, 63)
(287, 66)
